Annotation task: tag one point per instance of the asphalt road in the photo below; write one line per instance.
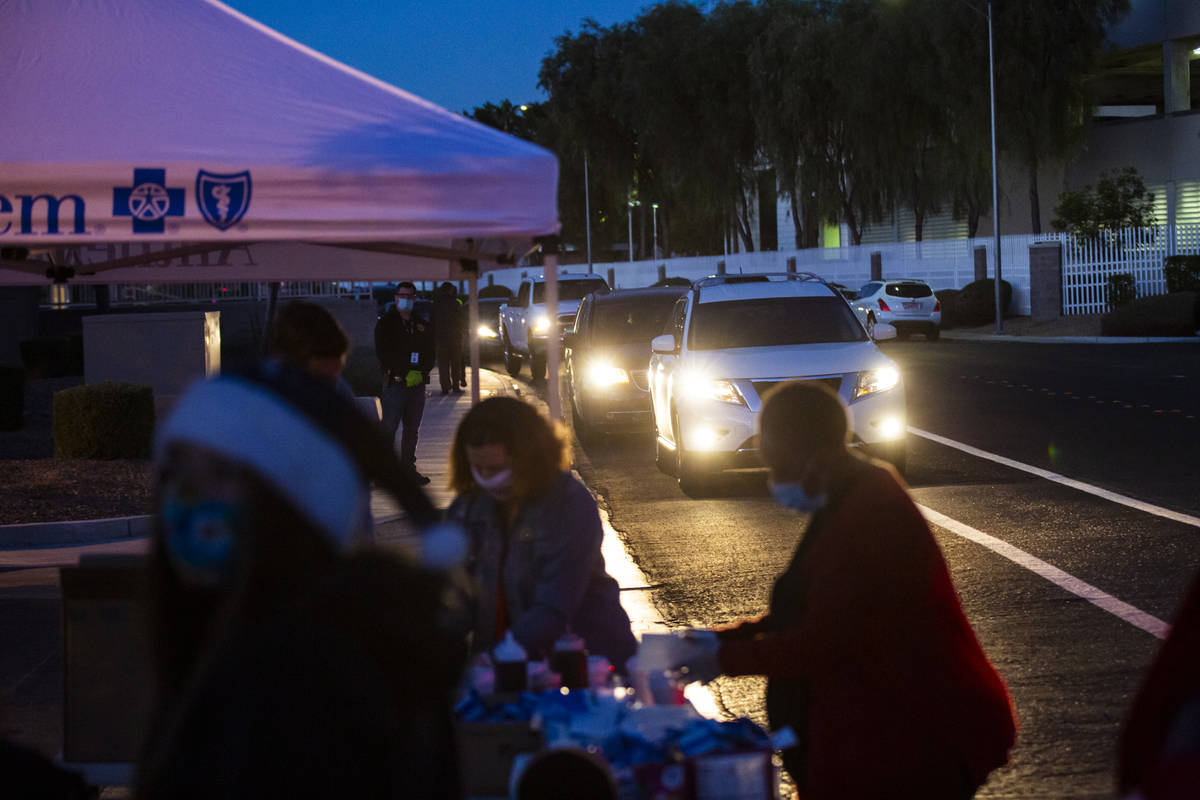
(1120, 418)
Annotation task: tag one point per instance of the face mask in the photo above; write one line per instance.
(498, 486)
(200, 540)
(794, 497)
(404, 304)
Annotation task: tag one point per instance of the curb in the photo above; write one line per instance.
(82, 531)
(991, 337)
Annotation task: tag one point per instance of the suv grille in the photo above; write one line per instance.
(762, 387)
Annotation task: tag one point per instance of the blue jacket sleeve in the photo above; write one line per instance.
(569, 549)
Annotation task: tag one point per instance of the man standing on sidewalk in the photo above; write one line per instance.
(404, 346)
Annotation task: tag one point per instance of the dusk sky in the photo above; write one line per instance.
(456, 53)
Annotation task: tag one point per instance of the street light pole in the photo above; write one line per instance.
(654, 206)
(587, 209)
(995, 174)
(632, 205)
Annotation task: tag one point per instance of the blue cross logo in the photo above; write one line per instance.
(148, 201)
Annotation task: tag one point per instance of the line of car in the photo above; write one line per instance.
(694, 364)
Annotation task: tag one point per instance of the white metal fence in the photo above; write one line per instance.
(126, 294)
(1088, 264)
(944, 264)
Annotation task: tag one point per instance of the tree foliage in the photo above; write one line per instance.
(859, 107)
(1118, 200)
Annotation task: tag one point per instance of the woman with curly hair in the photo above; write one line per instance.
(535, 535)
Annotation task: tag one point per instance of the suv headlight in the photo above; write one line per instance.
(876, 380)
(696, 385)
(541, 324)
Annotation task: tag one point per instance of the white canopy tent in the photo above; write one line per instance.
(140, 137)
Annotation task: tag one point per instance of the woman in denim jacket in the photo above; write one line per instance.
(535, 536)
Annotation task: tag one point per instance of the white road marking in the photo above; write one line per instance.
(1119, 608)
(643, 616)
(1149, 508)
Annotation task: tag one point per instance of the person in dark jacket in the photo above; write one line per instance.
(535, 536)
(866, 651)
(448, 327)
(308, 337)
(286, 664)
(1159, 755)
(404, 346)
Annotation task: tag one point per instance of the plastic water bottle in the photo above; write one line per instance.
(570, 660)
(508, 663)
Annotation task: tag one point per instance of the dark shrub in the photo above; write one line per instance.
(948, 298)
(104, 420)
(495, 290)
(976, 303)
(12, 398)
(1175, 314)
(52, 357)
(1120, 290)
(1182, 273)
(362, 372)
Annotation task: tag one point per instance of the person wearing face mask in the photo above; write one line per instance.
(535, 535)
(287, 661)
(867, 654)
(404, 346)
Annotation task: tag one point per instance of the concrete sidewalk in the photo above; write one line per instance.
(60, 543)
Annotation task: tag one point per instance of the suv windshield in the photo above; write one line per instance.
(908, 290)
(773, 322)
(571, 290)
(630, 321)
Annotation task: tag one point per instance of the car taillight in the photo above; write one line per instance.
(883, 306)
(937, 305)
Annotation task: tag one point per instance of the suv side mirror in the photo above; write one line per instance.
(884, 331)
(664, 344)
(570, 339)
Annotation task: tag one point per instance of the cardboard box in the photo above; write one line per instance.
(486, 751)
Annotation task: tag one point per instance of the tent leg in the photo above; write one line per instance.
(472, 338)
(553, 398)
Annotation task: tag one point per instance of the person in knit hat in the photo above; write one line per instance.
(288, 664)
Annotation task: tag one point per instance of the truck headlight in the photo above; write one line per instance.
(876, 380)
(541, 324)
(485, 332)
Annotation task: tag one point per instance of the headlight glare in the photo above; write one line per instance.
(541, 325)
(602, 375)
(696, 385)
(876, 380)
(485, 332)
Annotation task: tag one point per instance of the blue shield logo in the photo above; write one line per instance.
(223, 199)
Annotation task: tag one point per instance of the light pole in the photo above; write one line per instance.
(654, 207)
(995, 169)
(632, 205)
(995, 173)
(587, 209)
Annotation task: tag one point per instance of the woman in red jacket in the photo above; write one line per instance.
(867, 654)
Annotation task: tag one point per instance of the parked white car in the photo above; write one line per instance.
(907, 304)
(731, 339)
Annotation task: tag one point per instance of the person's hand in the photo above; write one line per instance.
(413, 378)
(701, 663)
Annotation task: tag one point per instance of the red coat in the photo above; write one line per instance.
(902, 700)
(1163, 771)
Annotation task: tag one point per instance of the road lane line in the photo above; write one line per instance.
(1149, 508)
(1119, 608)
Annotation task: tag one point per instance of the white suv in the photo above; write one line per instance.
(731, 339)
(907, 304)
